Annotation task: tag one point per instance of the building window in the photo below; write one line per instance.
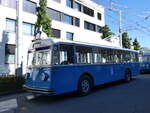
(69, 3)
(8, 3)
(28, 29)
(68, 19)
(55, 0)
(89, 26)
(88, 11)
(69, 36)
(29, 6)
(9, 54)
(56, 33)
(98, 29)
(77, 6)
(99, 16)
(77, 22)
(55, 15)
(10, 25)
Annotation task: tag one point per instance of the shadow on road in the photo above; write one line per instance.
(113, 84)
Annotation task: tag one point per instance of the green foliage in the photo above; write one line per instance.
(126, 41)
(105, 32)
(136, 44)
(11, 83)
(43, 19)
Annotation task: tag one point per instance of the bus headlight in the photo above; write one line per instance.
(44, 78)
(27, 76)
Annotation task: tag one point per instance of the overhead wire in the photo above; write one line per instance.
(134, 25)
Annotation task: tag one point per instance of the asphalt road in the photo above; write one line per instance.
(118, 97)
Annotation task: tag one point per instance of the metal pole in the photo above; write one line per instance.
(110, 1)
(120, 27)
(19, 46)
(120, 21)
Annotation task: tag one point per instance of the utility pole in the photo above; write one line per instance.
(120, 21)
(19, 44)
(110, 1)
(120, 27)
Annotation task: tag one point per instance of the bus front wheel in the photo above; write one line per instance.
(84, 85)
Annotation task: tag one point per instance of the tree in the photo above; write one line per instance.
(136, 44)
(105, 32)
(43, 20)
(126, 41)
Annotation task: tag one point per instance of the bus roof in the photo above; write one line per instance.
(51, 41)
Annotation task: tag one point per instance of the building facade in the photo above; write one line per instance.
(78, 20)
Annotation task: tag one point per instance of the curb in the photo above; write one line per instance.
(11, 93)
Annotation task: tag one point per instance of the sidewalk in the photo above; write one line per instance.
(15, 102)
(11, 95)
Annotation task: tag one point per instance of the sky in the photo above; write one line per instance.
(135, 18)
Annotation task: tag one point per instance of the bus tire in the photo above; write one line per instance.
(84, 85)
(128, 75)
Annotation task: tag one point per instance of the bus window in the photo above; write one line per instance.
(110, 54)
(30, 58)
(104, 55)
(117, 56)
(126, 57)
(42, 57)
(97, 55)
(84, 55)
(137, 57)
(66, 54)
(133, 58)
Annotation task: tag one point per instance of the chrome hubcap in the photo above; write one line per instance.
(128, 77)
(85, 85)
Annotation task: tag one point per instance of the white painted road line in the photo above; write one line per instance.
(8, 105)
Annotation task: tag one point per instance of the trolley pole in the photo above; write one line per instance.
(19, 40)
(120, 27)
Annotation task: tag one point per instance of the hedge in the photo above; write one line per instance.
(11, 83)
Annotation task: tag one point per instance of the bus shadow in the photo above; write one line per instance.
(73, 95)
(113, 84)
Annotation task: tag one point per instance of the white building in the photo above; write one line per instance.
(78, 20)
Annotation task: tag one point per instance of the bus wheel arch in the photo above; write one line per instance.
(85, 84)
(128, 75)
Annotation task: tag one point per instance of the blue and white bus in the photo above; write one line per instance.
(56, 66)
(145, 62)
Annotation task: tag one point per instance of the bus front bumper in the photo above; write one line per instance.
(38, 90)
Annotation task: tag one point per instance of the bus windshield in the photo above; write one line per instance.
(42, 58)
(39, 58)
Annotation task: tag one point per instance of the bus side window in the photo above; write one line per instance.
(66, 54)
(97, 55)
(104, 56)
(126, 57)
(84, 55)
(110, 54)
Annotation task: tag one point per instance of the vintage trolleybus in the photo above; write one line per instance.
(58, 66)
(145, 62)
